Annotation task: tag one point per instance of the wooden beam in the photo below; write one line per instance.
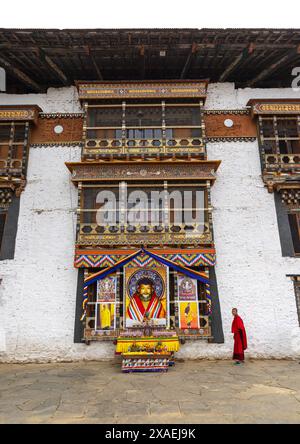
(99, 73)
(274, 66)
(53, 66)
(60, 49)
(97, 69)
(142, 61)
(16, 72)
(189, 59)
(241, 57)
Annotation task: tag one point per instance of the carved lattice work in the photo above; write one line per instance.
(5, 197)
(290, 197)
(279, 142)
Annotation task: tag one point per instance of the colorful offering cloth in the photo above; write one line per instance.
(148, 345)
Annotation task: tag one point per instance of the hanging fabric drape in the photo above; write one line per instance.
(101, 275)
(185, 270)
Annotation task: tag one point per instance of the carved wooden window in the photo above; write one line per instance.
(280, 135)
(102, 216)
(287, 203)
(128, 128)
(13, 162)
(13, 148)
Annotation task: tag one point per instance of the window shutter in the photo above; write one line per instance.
(295, 232)
(2, 224)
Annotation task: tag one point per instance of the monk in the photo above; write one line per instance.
(240, 337)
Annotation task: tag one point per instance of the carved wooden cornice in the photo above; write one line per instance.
(274, 106)
(73, 144)
(11, 186)
(142, 89)
(227, 111)
(292, 186)
(61, 115)
(277, 180)
(16, 113)
(230, 139)
(151, 170)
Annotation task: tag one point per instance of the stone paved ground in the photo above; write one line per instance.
(192, 392)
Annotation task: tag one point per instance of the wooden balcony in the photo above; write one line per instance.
(129, 235)
(280, 169)
(11, 167)
(95, 148)
(282, 161)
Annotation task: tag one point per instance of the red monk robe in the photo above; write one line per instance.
(136, 310)
(240, 338)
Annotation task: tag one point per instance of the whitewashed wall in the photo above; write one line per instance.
(38, 289)
(250, 269)
(57, 100)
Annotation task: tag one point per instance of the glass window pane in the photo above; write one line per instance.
(4, 133)
(143, 116)
(19, 134)
(182, 116)
(109, 117)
